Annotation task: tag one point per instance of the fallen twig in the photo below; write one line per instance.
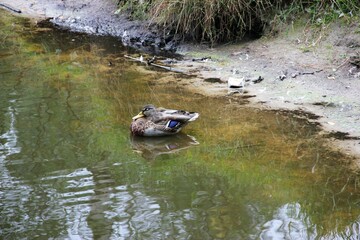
(156, 65)
(10, 8)
(343, 64)
(168, 68)
(294, 75)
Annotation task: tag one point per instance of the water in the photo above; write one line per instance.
(70, 170)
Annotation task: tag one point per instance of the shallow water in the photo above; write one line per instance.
(69, 168)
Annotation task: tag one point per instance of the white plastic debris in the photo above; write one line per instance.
(235, 82)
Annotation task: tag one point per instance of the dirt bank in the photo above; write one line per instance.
(311, 71)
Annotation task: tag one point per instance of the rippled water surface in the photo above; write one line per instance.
(70, 170)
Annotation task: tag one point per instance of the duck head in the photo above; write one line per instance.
(147, 111)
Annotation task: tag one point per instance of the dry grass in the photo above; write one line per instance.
(211, 20)
(228, 20)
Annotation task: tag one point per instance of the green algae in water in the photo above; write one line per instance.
(70, 168)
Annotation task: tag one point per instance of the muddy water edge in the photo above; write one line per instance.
(69, 168)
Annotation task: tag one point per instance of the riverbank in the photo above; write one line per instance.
(311, 71)
(290, 72)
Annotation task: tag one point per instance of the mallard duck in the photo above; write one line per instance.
(152, 121)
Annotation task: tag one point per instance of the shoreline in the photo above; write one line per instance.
(311, 83)
(311, 72)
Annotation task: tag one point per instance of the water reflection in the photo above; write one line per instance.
(8, 140)
(291, 222)
(151, 148)
(68, 167)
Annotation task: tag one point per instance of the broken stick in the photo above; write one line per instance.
(156, 65)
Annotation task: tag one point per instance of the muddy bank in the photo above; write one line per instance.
(95, 17)
(296, 74)
(314, 73)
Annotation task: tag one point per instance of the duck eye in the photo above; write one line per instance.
(147, 108)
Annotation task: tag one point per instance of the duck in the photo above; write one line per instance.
(156, 122)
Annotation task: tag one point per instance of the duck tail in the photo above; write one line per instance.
(194, 117)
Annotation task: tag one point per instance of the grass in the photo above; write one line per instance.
(229, 20)
(210, 20)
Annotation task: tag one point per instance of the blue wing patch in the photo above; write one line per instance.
(172, 124)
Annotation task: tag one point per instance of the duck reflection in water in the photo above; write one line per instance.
(151, 148)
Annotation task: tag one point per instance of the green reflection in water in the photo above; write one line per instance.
(70, 168)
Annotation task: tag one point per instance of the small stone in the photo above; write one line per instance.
(294, 75)
(282, 77)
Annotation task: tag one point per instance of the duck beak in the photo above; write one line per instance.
(140, 115)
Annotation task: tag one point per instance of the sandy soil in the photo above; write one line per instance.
(312, 71)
